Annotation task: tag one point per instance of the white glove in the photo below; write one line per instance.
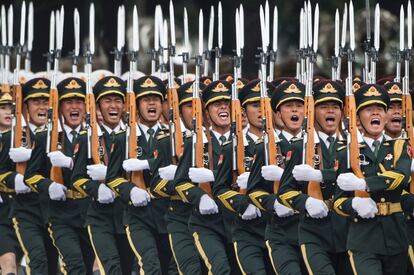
(97, 171)
(20, 154)
(135, 165)
(168, 172)
(304, 172)
(251, 212)
(139, 197)
(317, 209)
(58, 159)
(365, 207)
(350, 182)
(207, 205)
(19, 186)
(272, 172)
(57, 192)
(105, 194)
(242, 180)
(199, 175)
(412, 165)
(1, 199)
(281, 210)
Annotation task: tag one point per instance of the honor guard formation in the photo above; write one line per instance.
(151, 173)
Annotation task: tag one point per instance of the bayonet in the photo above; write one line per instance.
(367, 44)
(273, 50)
(216, 74)
(342, 49)
(399, 55)
(21, 44)
(207, 53)
(155, 51)
(375, 49)
(51, 43)
(336, 48)
(76, 28)
(5, 51)
(120, 42)
(186, 50)
(30, 27)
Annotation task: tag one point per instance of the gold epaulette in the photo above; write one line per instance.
(259, 140)
(120, 131)
(295, 139)
(227, 142)
(340, 148)
(83, 132)
(41, 130)
(162, 135)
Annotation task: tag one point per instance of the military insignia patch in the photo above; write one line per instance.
(220, 161)
(155, 153)
(395, 90)
(148, 83)
(410, 151)
(372, 92)
(220, 88)
(73, 85)
(288, 155)
(388, 157)
(292, 89)
(76, 149)
(112, 83)
(256, 88)
(239, 84)
(328, 88)
(355, 87)
(39, 85)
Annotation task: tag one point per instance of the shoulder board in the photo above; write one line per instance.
(341, 141)
(162, 135)
(295, 139)
(386, 143)
(362, 145)
(340, 148)
(120, 132)
(41, 130)
(259, 140)
(6, 131)
(83, 132)
(227, 142)
(188, 134)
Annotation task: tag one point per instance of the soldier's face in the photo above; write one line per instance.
(278, 122)
(111, 108)
(291, 113)
(73, 111)
(219, 113)
(254, 114)
(394, 119)
(186, 114)
(5, 116)
(372, 118)
(149, 109)
(37, 110)
(328, 116)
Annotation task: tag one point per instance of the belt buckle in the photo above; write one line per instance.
(384, 208)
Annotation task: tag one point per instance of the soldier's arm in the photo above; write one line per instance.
(7, 166)
(188, 191)
(115, 173)
(80, 179)
(396, 177)
(290, 193)
(230, 199)
(36, 176)
(343, 199)
(259, 190)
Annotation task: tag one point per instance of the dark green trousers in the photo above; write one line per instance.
(319, 261)
(369, 263)
(112, 250)
(40, 254)
(74, 248)
(9, 243)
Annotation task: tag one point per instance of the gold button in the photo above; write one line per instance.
(84, 187)
(10, 196)
(130, 203)
(392, 166)
(382, 199)
(355, 220)
(387, 181)
(363, 172)
(171, 209)
(164, 189)
(231, 201)
(186, 192)
(260, 200)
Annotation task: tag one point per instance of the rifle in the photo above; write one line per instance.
(120, 41)
(53, 112)
(207, 53)
(30, 26)
(399, 55)
(197, 157)
(375, 49)
(350, 106)
(17, 128)
(185, 53)
(236, 128)
(136, 177)
(367, 44)
(217, 57)
(314, 189)
(75, 55)
(176, 136)
(7, 42)
(91, 120)
(269, 138)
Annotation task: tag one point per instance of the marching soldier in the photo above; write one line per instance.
(322, 232)
(394, 125)
(282, 230)
(242, 216)
(67, 207)
(181, 240)
(30, 209)
(377, 240)
(211, 237)
(144, 216)
(105, 212)
(10, 251)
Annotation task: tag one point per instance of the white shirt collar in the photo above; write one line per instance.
(370, 141)
(253, 136)
(289, 136)
(119, 127)
(34, 127)
(324, 137)
(246, 129)
(218, 135)
(69, 130)
(145, 129)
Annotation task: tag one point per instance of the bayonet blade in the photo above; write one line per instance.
(301, 43)
(10, 26)
(275, 26)
(377, 28)
(61, 22)
(402, 19)
(3, 26)
(344, 26)
(267, 24)
(156, 28)
(351, 26)
(200, 33)
(220, 26)
(22, 24)
(165, 41)
(30, 28)
(186, 39)
(135, 30)
(263, 28)
(368, 20)
(76, 25)
(309, 24)
(92, 29)
(120, 24)
(172, 24)
(211, 29)
(241, 15)
(237, 18)
(337, 33)
(52, 32)
(409, 26)
(316, 29)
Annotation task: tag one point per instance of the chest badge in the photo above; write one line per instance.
(389, 157)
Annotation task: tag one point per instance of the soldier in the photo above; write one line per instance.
(377, 239)
(212, 239)
(181, 240)
(104, 216)
(30, 210)
(10, 251)
(393, 127)
(242, 216)
(144, 216)
(281, 232)
(67, 206)
(322, 233)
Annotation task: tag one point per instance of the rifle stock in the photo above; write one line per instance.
(176, 137)
(236, 118)
(18, 128)
(55, 172)
(92, 126)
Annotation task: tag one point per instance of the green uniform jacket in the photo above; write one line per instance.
(69, 212)
(98, 214)
(153, 213)
(385, 176)
(331, 231)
